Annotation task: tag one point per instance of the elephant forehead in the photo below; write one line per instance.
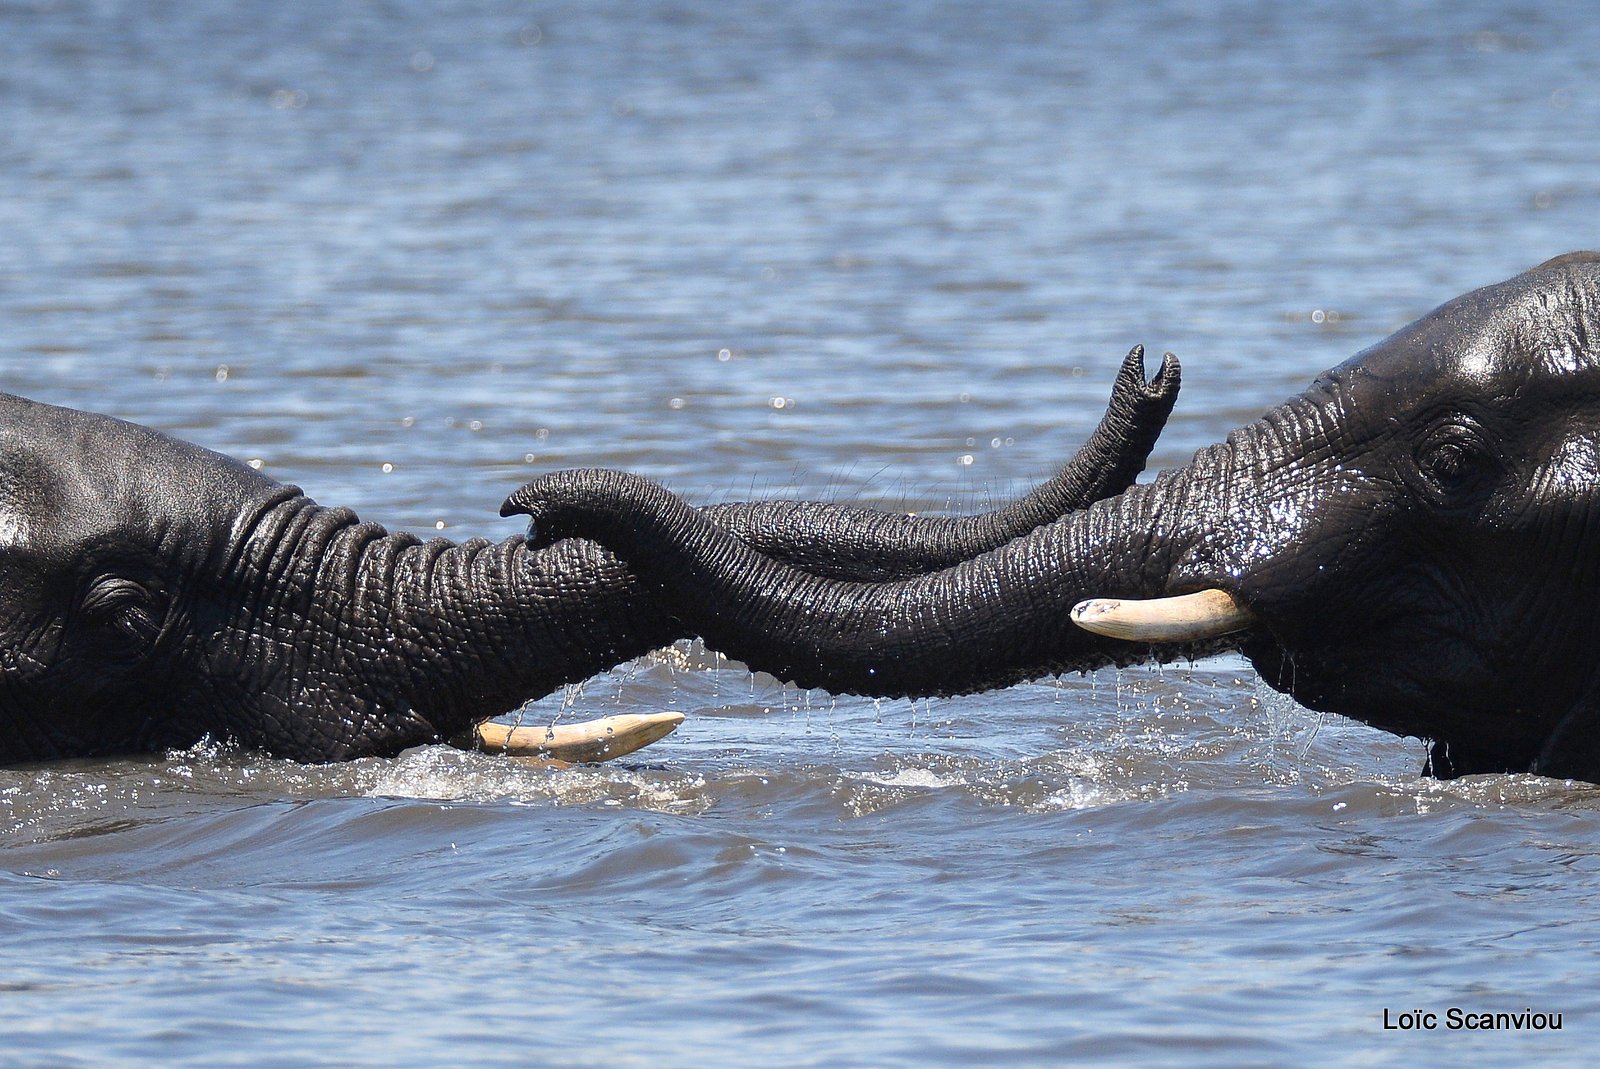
(1544, 325)
(1512, 342)
(70, 457)
(15, 528)
(29, 489)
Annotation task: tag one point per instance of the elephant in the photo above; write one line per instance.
(154, 594)
(1413, 542)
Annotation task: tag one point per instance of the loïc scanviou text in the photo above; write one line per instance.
(1457, 1019)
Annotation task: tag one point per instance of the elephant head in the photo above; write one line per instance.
(153, 593)
(1414, 542)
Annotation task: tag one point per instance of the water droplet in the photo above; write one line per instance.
(965, 460)
(387, 467)
(422, 61)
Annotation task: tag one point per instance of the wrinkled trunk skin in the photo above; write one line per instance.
(998, 618)
(365, 642)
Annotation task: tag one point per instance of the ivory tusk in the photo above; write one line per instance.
(1186, 618)
(590, 740)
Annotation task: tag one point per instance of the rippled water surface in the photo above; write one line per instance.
(407, 255)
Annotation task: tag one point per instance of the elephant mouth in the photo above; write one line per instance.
(1183, 618)
(1332, 677)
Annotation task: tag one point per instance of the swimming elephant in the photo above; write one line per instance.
(153, 593)
(1413, 542)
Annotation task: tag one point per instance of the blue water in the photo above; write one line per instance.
(408, 255)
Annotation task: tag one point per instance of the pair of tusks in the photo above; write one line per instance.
(586, 741)
(1185, 618)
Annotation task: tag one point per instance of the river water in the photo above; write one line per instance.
(407, 255)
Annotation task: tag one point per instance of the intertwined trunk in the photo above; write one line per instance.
(1000, 617)
(350, 640)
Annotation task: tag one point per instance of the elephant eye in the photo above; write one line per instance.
(125, 609)
(1449, 462)
(1455, 459)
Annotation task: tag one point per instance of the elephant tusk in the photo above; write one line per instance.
(590, 740)
(1186, 618)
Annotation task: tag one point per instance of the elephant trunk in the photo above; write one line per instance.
(868, 544)
(997, 618)
(481, 627)
(368, 642)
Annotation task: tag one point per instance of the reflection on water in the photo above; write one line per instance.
(409, 255)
